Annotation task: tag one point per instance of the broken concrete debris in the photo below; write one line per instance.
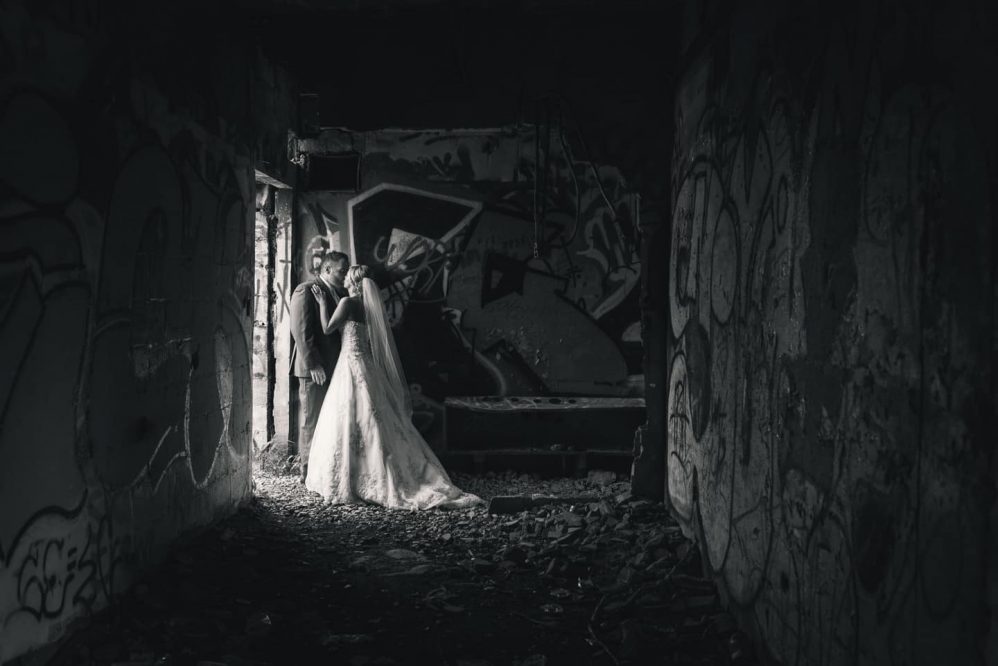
(559, 571)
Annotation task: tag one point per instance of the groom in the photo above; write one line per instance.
(313, 355)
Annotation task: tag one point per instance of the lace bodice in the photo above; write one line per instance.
(356, 342)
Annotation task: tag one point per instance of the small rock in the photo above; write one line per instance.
(569, 519)
(740, 648)
(655, 541)
(514, 553)
(516, 503)
(532, 660)
(630, 639)
(418, 570)
(362, 562)
(724, 623)
(483, 566)
(337, 640)
(107, 652)
(258, 624)
(601, 477)
(367, 660)
(701, 602)
(625, 576)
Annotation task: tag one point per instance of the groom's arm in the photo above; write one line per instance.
(301, 330)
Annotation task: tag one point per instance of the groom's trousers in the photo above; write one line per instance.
(310, 397)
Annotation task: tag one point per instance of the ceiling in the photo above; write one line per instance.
(462, 63)
(388, 7)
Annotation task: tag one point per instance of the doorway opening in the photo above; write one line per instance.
(273, 443)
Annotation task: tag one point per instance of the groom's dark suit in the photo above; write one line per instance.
(312, 349)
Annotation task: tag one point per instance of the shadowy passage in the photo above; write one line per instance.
(606, 579)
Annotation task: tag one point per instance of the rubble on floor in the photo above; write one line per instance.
(602, 578)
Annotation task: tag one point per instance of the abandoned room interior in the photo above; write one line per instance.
(693, 301)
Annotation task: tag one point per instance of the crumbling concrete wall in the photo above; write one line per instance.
(126, 222)
(263, 344)
(285, 420)
(830, 302)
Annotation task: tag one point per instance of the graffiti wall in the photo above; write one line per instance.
(832, 237)
(126, 267)
(450, 220)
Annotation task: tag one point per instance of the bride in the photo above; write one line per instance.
(365, 447)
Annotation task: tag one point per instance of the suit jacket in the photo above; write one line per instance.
(312, 348)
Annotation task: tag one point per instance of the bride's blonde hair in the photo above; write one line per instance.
(355, 275)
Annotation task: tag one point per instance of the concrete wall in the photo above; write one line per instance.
(477, 314)
(271, 331)
(285, 422)
(126, 222)
(831, 309)
(262, 345)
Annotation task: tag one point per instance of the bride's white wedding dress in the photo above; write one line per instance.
(365, 447)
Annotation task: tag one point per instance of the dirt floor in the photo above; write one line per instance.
(597, 579)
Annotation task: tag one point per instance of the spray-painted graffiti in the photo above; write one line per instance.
(587, 214)
(125, 300)
(187, 345)
(325, 227)
(807, 272)
(459, 270)
(58, 574)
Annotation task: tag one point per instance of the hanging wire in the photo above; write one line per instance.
(565, 107)
(561, 107)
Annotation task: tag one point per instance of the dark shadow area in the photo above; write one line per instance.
(289, 580)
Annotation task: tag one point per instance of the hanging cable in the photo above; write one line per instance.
(563, 104)
(570, 160)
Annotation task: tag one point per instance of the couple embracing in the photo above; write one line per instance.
(357, 442)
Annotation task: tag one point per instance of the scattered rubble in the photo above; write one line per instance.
(518, 503)
(563, 571)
